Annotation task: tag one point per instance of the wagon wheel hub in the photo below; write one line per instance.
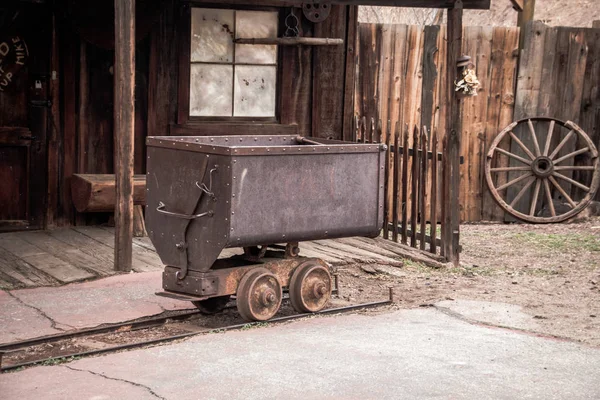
(268, 297)
(542, 167)
(543, 170)
(310, 287)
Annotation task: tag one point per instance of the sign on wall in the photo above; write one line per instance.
(13, 57)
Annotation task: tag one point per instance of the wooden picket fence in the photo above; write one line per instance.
(415, 210)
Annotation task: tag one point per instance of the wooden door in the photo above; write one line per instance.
(24, 77)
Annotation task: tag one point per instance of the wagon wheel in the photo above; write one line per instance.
(213, 305)
(546, 182)
(310, 287)
(259, 295)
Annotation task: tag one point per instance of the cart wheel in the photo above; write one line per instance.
(213, 305)
(259, 295)
(310, 287)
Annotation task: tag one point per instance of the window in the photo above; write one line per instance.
(229, 79)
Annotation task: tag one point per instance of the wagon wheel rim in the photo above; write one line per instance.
(541, 168)
(310, 287)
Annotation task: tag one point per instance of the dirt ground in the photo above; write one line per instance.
(552, 271)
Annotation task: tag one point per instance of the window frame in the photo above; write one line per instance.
(185, 63)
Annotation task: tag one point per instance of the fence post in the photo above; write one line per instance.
(453, 130)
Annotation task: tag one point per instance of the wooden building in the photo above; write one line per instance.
(72, 104)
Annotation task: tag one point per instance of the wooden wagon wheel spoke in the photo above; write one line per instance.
(521, 145)
(562, 144)
(514, 181)
(510, 169)
(536, 193)
(573, 154)
(534, 138)
(562, 191)
(549, 138)
(520, 194)
(571, 181)
(516, 157)
(549, 197)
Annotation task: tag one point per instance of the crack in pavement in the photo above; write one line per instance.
(460, 317)
(152, 392)
(53, 323)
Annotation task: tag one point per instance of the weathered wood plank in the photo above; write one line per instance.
(19, 273)
(355, 253)
(66, 252)
(124, 130)
(529, 85)
(434, 195)
(500, 108)
(328, 82)
(142, 258)
(414, 187)
(454, 131)
(396, 201)
(405, 183)
(371, 247)
(58, 269)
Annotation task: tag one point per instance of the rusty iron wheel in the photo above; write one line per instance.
(557, 175)
(310, 287)
(213, 305)
(259, 295)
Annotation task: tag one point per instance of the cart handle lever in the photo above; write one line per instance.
(161, 209)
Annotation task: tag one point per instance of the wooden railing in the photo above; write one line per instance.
(416, 211)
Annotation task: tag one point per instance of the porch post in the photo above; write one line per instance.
(453, 131)
(124, 130)
(524, 17)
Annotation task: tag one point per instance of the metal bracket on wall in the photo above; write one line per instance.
(316, 11)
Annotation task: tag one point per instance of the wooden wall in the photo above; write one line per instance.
(316, 94)
(401, 78)
(559, 77)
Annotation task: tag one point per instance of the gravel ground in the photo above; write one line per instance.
(552, 271)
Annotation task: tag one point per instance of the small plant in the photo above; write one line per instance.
(59, 360)
(253, 325)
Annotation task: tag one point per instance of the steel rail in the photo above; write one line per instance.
(190, 334)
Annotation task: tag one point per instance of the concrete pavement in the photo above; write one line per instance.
(28, 313)
(407, 354)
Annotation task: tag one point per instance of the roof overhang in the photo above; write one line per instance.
(467, 4)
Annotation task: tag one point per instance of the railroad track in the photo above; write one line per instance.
(19, 349)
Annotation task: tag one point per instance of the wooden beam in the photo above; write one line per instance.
(517, 5)
(124, 114)
(467, 4)
(524, 17)
(97, 192)
(454, 130)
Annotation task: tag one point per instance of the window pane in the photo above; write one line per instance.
(211, 90)
(212, 35)
(256, 24)
(255, 91)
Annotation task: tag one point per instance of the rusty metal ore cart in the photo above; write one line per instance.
(264, 194)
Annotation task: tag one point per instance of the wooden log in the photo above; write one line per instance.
(124, 114)
(98, 193)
